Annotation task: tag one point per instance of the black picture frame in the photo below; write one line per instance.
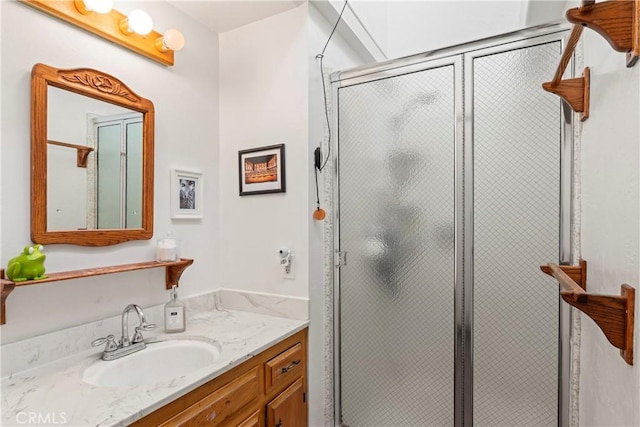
(262, 170)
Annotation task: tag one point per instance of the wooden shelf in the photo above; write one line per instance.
(617, 21)
(174, 270)
(614, 314)
(82, 151)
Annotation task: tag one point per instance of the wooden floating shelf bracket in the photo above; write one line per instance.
(614, 315)
(574, 91)
(174, 270)
(6, 287)
(615, 20)
(82, 151)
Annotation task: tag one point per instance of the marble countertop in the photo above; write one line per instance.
(54, 393)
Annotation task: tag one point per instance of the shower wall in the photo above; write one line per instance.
(448, 200)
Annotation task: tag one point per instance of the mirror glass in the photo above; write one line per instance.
(106, 193)
(92, 159)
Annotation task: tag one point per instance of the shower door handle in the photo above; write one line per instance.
(341, 258)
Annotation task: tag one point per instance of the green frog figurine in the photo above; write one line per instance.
(29, 265)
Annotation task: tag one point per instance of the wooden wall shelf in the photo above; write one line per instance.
(174, 270)
(618, 21)
(82, 151)
(615, 315)
(615, 20)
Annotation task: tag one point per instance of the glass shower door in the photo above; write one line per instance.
(397, 157)
(515, 227)
(444, 317)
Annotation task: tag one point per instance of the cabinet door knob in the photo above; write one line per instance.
(279, 423)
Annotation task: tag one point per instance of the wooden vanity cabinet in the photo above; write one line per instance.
(267, 390)
(289, 408)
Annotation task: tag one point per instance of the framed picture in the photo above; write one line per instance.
(262, 170)
(186, 194)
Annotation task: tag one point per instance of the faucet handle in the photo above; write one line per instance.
(137, 335)
(109, 339)
(147, 326)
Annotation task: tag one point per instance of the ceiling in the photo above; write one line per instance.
(225, 15)
(396, 28)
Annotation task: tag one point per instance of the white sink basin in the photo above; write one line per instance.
(160, 361)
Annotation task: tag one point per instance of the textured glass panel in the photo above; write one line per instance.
(133, 217)
(516, 229)
(397, 225)
(109, 176)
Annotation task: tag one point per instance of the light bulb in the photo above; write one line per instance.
(172, 40)
(138, 22)
(98, 6)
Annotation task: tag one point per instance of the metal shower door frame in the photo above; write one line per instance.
(448, 60)
(461, 57)
(564, 238)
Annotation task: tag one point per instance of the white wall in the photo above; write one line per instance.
(609, 388)
(270, 93)
(338, 56)
(423, 26)
(375, 16)
(263, 101)
(186, 136)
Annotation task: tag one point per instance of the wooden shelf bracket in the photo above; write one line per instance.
(174, 270)
(615, 20)
(82, 152)
(574, 91)
(6, 287)
(614, 314)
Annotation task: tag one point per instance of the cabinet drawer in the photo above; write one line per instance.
(220, 405)
(284, 368)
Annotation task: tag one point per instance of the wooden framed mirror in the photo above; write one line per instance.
(92, 153)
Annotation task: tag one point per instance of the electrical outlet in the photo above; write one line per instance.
(287, 270)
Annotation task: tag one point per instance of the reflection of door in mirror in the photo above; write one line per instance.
(116, 172)
(108, 193)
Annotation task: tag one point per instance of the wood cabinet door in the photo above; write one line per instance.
(252, 421)
(289, 408)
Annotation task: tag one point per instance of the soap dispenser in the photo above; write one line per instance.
(174, 315)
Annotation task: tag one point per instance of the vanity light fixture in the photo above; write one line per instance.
(172, 40)
(98, 6)
(138, 22)
(135, 32)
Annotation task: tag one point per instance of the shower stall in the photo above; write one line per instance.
(451, 186)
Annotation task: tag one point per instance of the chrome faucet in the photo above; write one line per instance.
(137, 336)
(126, 346)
